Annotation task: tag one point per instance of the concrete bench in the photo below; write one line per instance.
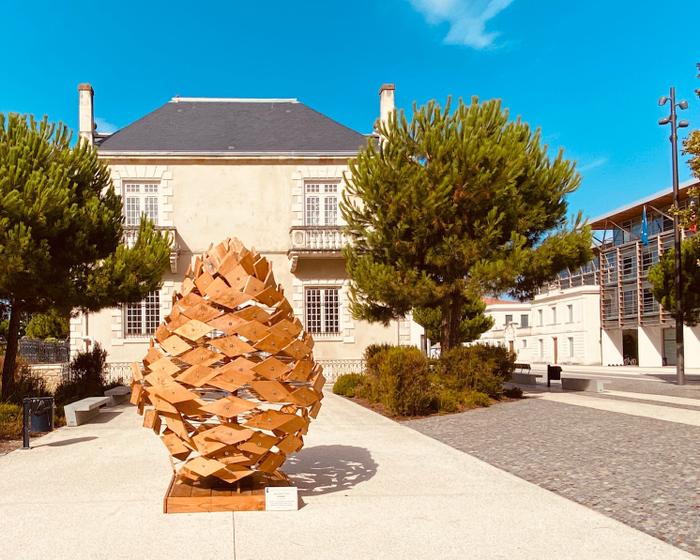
(583, 384)
(525, 378)
(117, 395)
(81, 411)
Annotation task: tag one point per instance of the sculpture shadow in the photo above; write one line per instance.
(324, 469)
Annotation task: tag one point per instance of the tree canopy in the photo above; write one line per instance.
(454, 204)
(61, 230)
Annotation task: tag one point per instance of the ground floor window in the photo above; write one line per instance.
(571, 347)
(142, 318)
(322, 310)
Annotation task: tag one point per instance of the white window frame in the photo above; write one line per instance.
(554, 314)
(321, 203)
(325, 321)
(540, 316)
(570, 311)
(147, 311)
(571, 347)
(140, 197)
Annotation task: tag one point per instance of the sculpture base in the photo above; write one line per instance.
(211, 494)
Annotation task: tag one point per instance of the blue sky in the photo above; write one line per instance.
(588, 73)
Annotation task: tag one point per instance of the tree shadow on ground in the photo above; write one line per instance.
(690, 379)
(104, 417)
(324, 469)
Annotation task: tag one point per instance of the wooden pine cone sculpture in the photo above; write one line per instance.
(230, 375)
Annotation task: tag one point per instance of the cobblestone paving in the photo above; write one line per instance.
(640, 471)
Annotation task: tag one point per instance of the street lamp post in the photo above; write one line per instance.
(675, 125)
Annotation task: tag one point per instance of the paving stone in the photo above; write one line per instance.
(640, 471)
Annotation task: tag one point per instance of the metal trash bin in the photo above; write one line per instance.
(37, 416)
(553, 372)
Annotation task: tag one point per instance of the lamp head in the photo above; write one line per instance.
(683, 105)
(683, 124)
(663, 100)
(665, 121)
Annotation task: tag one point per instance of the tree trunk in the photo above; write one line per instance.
(451, 318)
(8, 366)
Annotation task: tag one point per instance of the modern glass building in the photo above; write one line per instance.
(635, 329)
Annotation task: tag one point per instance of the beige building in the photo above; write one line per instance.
(268, 171)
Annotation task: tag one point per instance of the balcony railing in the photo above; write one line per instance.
(131, 234)
(317, 239)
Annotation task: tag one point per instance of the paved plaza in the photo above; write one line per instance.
(630, 453)
(372, 488)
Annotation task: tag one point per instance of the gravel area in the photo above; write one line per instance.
(640, 471)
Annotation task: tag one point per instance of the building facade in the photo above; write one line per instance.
(605, 312)
(268, 171)
(636, 330)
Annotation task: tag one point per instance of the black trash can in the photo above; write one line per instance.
(40, 413)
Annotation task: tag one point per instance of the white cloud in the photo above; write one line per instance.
(593, 164)
(104, 126)
(467, 19)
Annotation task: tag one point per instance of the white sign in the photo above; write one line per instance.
(281, 498)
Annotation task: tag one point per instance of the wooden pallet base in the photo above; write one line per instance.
(211, 494)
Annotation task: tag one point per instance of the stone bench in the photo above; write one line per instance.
(118, 395)
(524, 378)
(583, 384)
(81, 411)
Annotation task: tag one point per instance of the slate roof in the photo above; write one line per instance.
(236, 127)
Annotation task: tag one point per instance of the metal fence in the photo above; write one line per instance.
(40, 351)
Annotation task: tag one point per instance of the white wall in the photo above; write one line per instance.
(650, 346)
(611, 347)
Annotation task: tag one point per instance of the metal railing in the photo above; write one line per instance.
(334, 368)
(317, 238)
(35, 351)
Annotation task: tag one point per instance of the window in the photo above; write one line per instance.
(541, 345)
(321, 204)
(322, 310)
(541, 317)
(509, 319)
(571, 347)
(140, 198)
(554, 315)
(524, 320)
(570, 312)
(142, 318)
(524, 343)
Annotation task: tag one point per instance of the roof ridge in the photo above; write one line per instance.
(178, 99)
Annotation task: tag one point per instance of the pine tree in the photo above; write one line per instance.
(453, 205)
(61, 231)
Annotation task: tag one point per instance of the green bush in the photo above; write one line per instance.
(86, 377)
(346, 385)
(513, 392)
(478, 367)
(373, 355)
(475, 399)
(10, 421)
(405, 385)
(26, 383)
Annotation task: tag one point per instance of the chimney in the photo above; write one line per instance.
(386, 102)
(86, 113)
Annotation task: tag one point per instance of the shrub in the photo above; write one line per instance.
(513, 392)
(10, 421)
(478, 367)
(347, 384)
(404, 383)
(86, 377)
(475, 399)
(449, 400)
(26, 383)
(373, 355)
